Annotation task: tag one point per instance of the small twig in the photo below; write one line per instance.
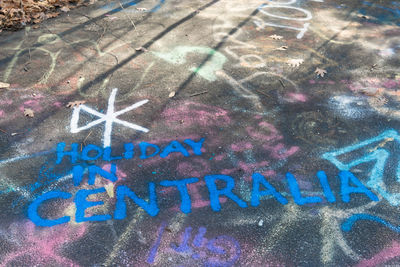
(282, 83)
(305, 140)
(263, 93)
(1, 130)
(86, 138)
(101, 36)
(201, 93)
(127, 15)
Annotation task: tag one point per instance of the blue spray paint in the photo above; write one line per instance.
(82, 204)
(33, 209)
(150, 207)
(181, 185)
(349, 223)
(323, 180)
(256, 193)
(227, 191)
(174, 147)
(346, 189)
(295, 190)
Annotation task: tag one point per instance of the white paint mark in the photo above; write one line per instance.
(109, 118)
(300, 35)
(280, 3)
(263, 10)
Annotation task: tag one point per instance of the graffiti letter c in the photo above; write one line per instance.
(33, 208)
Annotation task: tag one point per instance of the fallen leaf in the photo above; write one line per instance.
(373, 67)
(295, 62)
(378, 100)
(75, 103)
(141, 49)
(320, 72)
(363, 16)
(52, 14)
(4, 85)
(276, 37)
(29, 112)
(370, 91)
(65, 9)
(282, 48)
(172, 94)
(141, 8)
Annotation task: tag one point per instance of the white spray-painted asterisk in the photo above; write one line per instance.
(109, 118)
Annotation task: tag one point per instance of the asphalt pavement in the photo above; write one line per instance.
(202, 133)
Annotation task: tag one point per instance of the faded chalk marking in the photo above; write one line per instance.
(277, 5)
(379, 156)
(178, 57)
(124, 238)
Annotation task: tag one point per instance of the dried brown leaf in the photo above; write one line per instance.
(370, 91)
(29, 113)
(276, 37)
(52, 14)
(363, 16)
(141, 49)
(282, 48)
(320, 72)
(75, 103)
(65, 9)
(295, 62)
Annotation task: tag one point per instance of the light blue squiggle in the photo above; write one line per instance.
(380, 157)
